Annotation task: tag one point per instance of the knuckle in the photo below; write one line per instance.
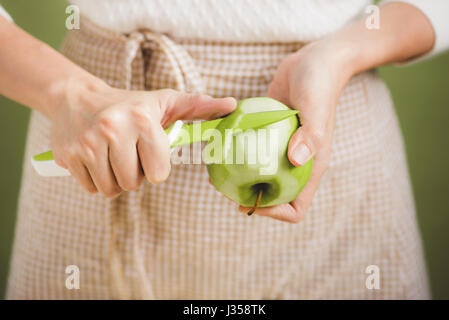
(323, 164)
(84, 181)
(142, 118)
(168, 92)
(318, 138)
(296, 215)
(111, 192)
(158, 177)
(166, 97)
(107, 120)
(87, 140)
(195, 98)
(87, 147)
(129, 183)
(69, 153)
(198, 99)
(295, 219)
(88, 155)
(154, 180)
(91, 189)
(109, 125)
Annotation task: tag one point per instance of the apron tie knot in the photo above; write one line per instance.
(167, 64)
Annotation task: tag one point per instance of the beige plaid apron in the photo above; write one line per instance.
(182, 239)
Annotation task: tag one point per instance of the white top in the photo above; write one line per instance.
(5, 14)
(247, 20)
(226, 20)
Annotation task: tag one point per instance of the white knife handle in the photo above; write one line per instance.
(49, 168)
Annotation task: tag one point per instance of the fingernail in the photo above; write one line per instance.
(301, 154)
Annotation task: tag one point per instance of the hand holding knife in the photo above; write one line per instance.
(45, 165)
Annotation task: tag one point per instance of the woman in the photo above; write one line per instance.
(103, 110)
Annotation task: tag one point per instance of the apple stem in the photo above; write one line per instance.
(259, 196)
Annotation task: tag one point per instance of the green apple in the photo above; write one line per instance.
(250, 178)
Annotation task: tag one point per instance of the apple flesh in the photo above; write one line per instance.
(243, 181)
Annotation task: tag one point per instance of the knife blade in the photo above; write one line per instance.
(246, 121)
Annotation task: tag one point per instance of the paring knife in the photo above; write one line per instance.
(45, 165)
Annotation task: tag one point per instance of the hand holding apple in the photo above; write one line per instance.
(310, 80)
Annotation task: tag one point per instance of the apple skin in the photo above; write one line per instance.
(241, 182)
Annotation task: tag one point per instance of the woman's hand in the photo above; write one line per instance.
(310, 81)
(109, 139)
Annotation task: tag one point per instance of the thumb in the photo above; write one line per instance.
(278, 91)
(304, 144)
(186, 106)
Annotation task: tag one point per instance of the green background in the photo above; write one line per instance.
(420, 92)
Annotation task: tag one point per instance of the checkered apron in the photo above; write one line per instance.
(184, 240)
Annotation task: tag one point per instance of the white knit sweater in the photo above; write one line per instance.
(247, 20)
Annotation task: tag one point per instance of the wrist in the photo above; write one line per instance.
(344, 54)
